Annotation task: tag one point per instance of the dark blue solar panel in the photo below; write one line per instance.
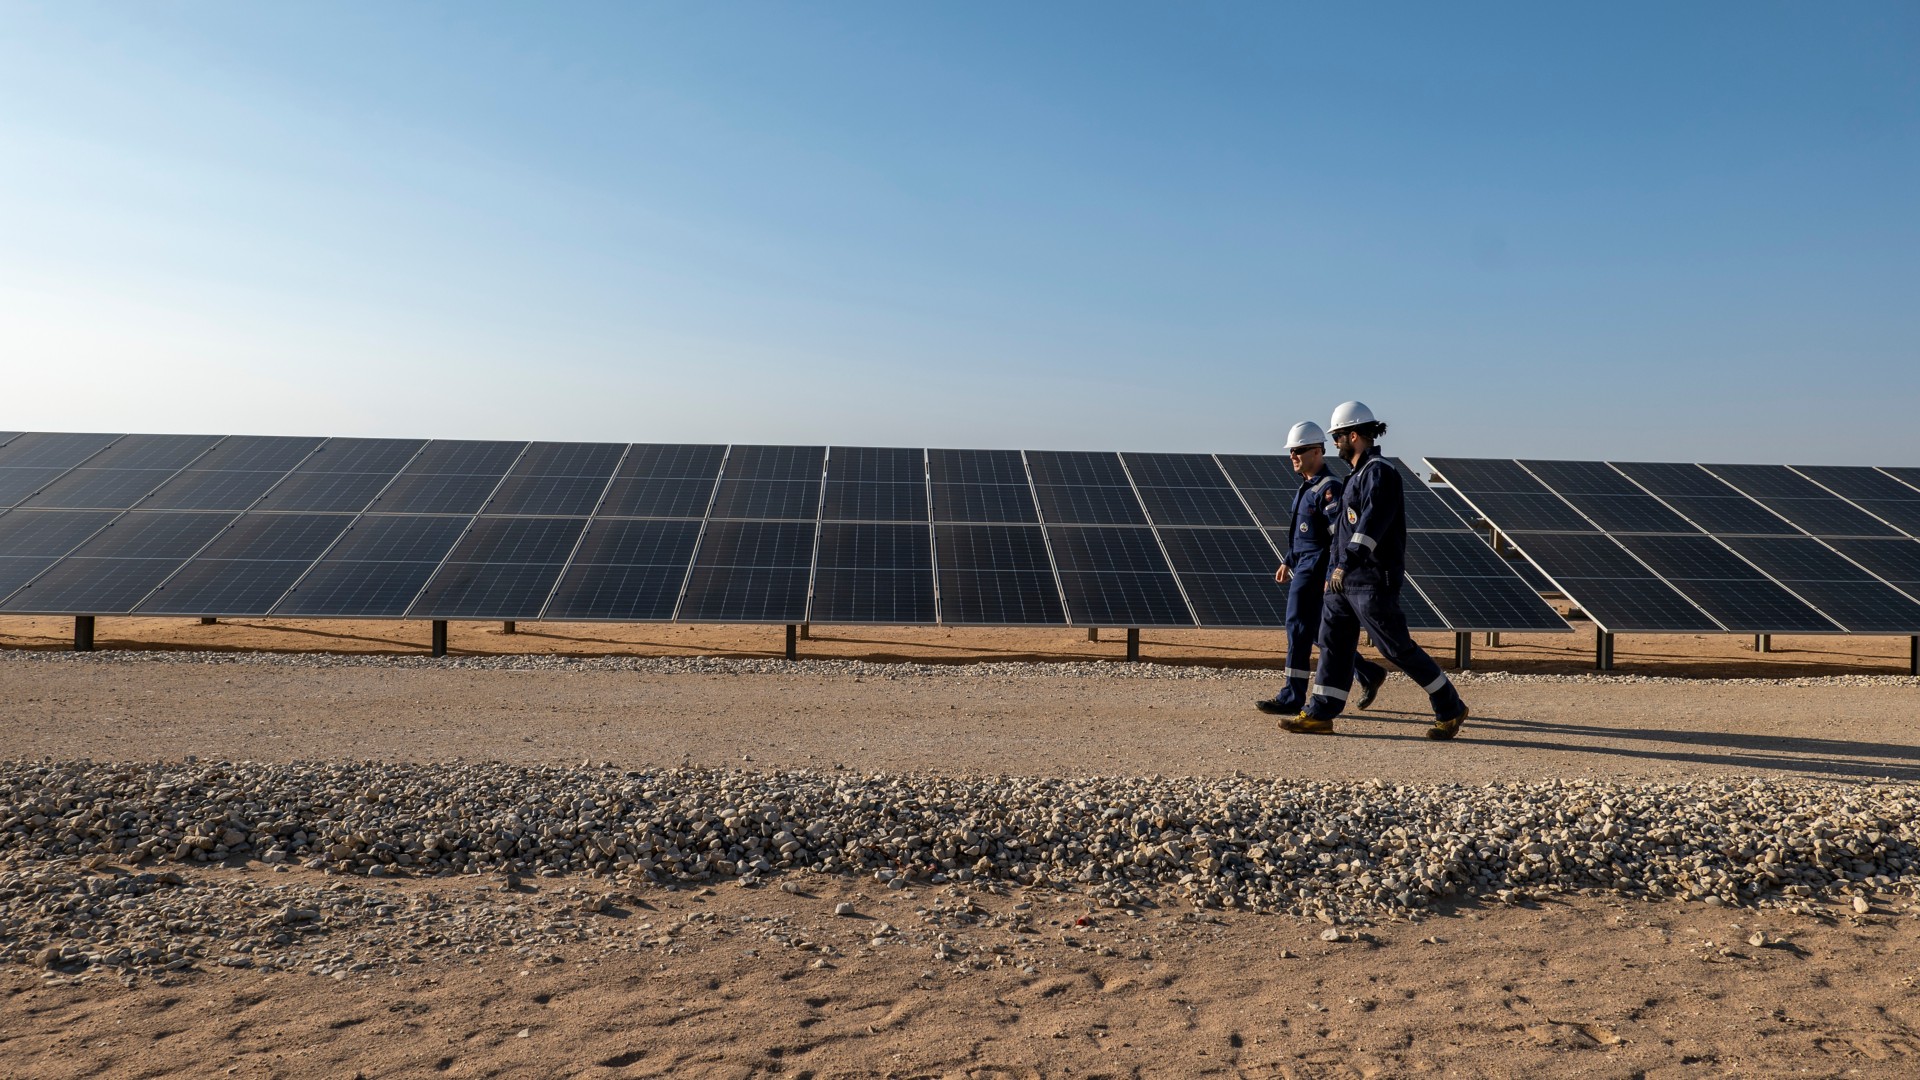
(1897, 561)
(1832, 583)
(1195, 506)
(52, 449)
(548, 496)
(1420, 615)
(776, 462)
(211, 489)
(1667, 479)
(873, 574)
(984, 503)
(1730, 590)
(386, 456)
(48, 532)
(1268, 471)
(1228, 574)
(866, 501)
(658, 497)
(98, 489)
(570, 459)
(876, 465)
(976, 467)
(1582, 478)
(1175, 470)
(377, 568)
(325, 492)
(167, 452)
(684, 461)
(1116, 577)
(1472, 476)
(1071, 505)
(466, 456)
(249, 566)
(398, 539)
(626, 570)
(436, 493)
(258, 453)
(750, 571)
(1076, 468)
(154, 535)
(775, 499)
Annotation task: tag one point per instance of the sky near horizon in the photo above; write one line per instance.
(1635, 231)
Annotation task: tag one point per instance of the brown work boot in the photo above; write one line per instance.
(1305, 724)
(1448, 728)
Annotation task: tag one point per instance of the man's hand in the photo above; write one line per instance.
(1337, 581)
(1284, 574)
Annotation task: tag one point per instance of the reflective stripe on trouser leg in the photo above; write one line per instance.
(1303, 626)
(1378, 609)
(1339, 645)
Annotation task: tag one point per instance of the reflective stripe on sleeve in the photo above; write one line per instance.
(1434, 686)
(1364, 540)
(1330, 692)
(1296, 673)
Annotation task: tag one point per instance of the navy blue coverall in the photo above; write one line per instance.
(1311, 530)
(1370, 543)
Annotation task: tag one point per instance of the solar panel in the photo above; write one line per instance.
(1871, 490)
(503, 568)
(1897, 561)
(557, 480)
(626, 571)
(1907, 476)
(34, 540)
(873, 573)
(995, 575)
(1266, 483)
(1617, 591)
(1186, 489)
(1456, 504)
(1801, 501)
(776, 463)
(377, 568)
(121, 474)
(686, 461)
(1606, 498)
(448, 477)
(1083, 488)
(1471, 587)
(1420, 614)
(1738, 596)
(1116, 577)
(52, 449)
(117, 566)
(1228, 575)
(1832, 583)
(248, 567)
(750, 571)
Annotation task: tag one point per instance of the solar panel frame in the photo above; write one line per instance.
(1833, 584)
(626, 570)
(870, 572)
(248, 567)
(996, 575)
(388, 557)
(116, 568)
(750, 571)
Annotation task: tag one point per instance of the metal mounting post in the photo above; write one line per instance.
(806, 631)
(1913, 656)
(1093, 633)
(208, 620)
(1493, 640)
(793, 642)
(1763, 643)
(1133, 643)
(83, 633)
(1463, 651)
(508, 627)
(1602, 650)
(439, 637)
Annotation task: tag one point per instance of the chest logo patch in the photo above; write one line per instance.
(1353, 516)
(1303, 526)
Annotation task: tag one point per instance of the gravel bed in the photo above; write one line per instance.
(1343, 852)
(864, 669)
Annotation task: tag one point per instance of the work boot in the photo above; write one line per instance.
(1368, 691)
(1448, 728)
(1273, 707)
(1307, 724)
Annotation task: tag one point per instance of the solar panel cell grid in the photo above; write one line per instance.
(278, 536)
(497, 590)
(1629, 513)
(1260, 471)
(357, 588)
(1476, 603)
(1582, 478)
(1907, 476)
(1220, 551)
(166, 452)
(48, 532)
(398, 539)
(231, 587)
(1106, 549)
(1069, 505)
(1420, 615)
(1897, 561)
(1857, 482)
(1124, 599)
(1175, 470)
(325, 492)
(211, 489)
(464, 456)
(1080, 468)
(1271, 507)
(686, 461)
(991, 547)
(658, 497)
(639, 543)
(746, 594)
(875, 547)
(1195, 506)
(791, 499)
(976, 467)
(1665, 478)
(91, 586)
(548, 496)
(1829, 517)
(436, 493)
(154, 534)
(873, 501)
(876, 465)
(1737, 516)
(1769, 481)
(893, 597)
(17, 485)
(1523, 513)
(620, 593)
(52, 449)
(595, 460)
(984, 502)
(1474, 475)
(99, 489)
(17, 570)
(999, 598)
(776, 463)
(386, 456)
(257, 453)
(1455, 554)
(1235, 599)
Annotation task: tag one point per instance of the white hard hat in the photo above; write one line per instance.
(1305, 433)
(1350, 414)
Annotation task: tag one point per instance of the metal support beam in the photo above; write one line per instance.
(208, 620)
(806, 631)
(1913, 656)
(1463, 651)
(1763, 643)
(509, 627)
(83, 633)
(1602, 650)
(1493, 640)
(1133, 643)
(439, 637)
(1093, 633)
(793, 642)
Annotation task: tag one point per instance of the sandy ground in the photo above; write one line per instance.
(1590, 987)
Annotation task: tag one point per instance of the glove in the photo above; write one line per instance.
(1337, 581)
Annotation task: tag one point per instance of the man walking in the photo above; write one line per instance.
(1303, 570)
(1363, 587)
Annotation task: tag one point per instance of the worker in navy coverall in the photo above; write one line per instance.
(1303, 570)
(1363, 586)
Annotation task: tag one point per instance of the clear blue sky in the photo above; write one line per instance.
(1632, 230)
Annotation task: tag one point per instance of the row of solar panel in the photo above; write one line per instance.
(1646, 546)
(158, 524)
